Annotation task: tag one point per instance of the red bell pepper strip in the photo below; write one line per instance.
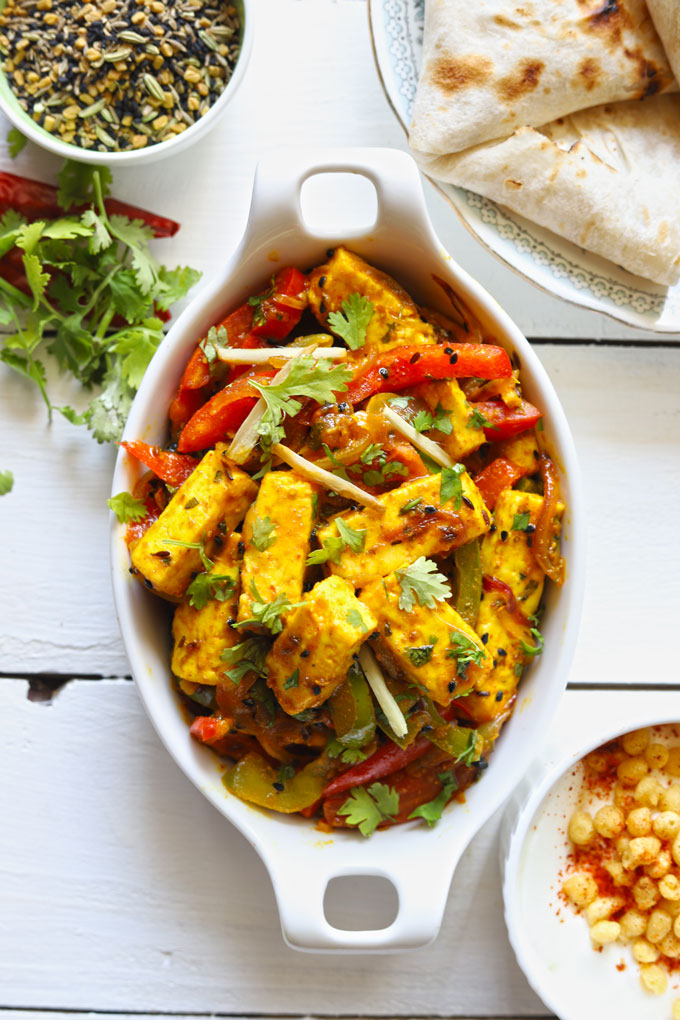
(490, 584)
(172, 468)
(406, 366)
(245, 327)
(208, 729)
(507, 421)
(38, 201)
(136, 529)
(500, 474)
(224, 412)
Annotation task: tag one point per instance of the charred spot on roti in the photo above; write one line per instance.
(608, 20)
(504, 22)
(525, 80)
(609, 11)
(450, 74)
(650, 77)
(588, 74)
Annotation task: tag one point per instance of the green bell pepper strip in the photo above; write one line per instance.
(351, 707)
(254, 780)
(468, 562)
(457, 741)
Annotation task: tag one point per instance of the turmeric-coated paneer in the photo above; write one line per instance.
(522, 450)
(201, 635)
(414, 523)
(432, 648)
(507, 552)
(446, 395)
(312, 654)
(396, 319)
(502, 633)
(213, 500)
(276, 538)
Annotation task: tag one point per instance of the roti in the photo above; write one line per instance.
(605, 178)
(493, 66)
(666, 17)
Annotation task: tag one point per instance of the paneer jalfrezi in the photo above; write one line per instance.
(354, 518)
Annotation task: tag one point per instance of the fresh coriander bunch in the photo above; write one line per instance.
(92, 296)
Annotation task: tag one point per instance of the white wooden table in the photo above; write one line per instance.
(121, 889)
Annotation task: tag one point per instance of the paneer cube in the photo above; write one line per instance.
(507, 551)
(213, 500)
(396, 318)
(201, 635)
(502, 632)
(413, 524)
(282, 516)
(447, 395)
(522, 450)
(423, 646)
(312, 654)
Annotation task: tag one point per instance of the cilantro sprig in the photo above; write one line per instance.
(94, 290)
(207, 586)
(432, 811)
(464, 651)
(306, 378)
(246, 656)
(267, 614)
(126, 507)
(264, 534)
(332, 547)
(351, 324)
(421, 582)
(368, 807)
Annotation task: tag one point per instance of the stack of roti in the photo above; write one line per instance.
(563, 111)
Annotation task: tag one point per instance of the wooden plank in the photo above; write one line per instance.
(123, 889)
(57, 613)
(321, 98)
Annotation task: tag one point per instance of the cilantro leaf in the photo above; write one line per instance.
(477, 420)
(100, 237)
(432, 811)
(246, 656)
(520, 522)
(469, 753)
(368, 808)
(352, 325)
(77, 183)
(208, 585)
(442, 421)
(292, 680)
(136, 345)
(420, 654)
(107, 413)
(6, 482)
(15, 142)
(355, 619)
(127, 508)
(533, 650)
(37, 280)
(421, 582)
(451, 486)
(176, 283)
(268, 614)
(263, 533)
(331, 549)
(423, 421)
(409, 505)
(464, 651)
(350, 754)
(306, 378)
(354, 538)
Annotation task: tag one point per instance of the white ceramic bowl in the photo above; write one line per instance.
(418, 861)
(150, 154)
(551, 942)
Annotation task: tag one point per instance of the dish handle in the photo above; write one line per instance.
(276, 200)
(300, 885)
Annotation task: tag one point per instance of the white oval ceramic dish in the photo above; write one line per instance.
(551, 942)
(552, 263)
(301, 861)
(27, 126)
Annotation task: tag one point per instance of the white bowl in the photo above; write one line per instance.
(418, 861)
(150, 154)
(551, 941)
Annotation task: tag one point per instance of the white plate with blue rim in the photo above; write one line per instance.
(552, 263)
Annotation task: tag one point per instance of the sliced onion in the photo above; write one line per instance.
(261, 355)
(429, 447)
(308, 469)
(376, 682)
(247, 435)
(546, 550)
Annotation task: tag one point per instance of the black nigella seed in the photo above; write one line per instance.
(502, 651)
(485, 638)
(305, 654)
(316, 689)
(429, 509)
(453, 359)
(530, 528)
(499, 696)
(414, 357)
(492, 528)
(278, 786)
(452, 686)
(504, 535)
(330, 253)
(322, 280)
(322, 307)
(468, 502)
(343, 406)
(241, 548)
(448, 350)
(384, 373)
